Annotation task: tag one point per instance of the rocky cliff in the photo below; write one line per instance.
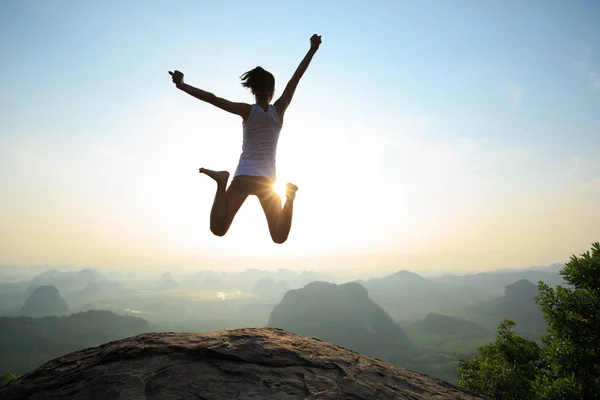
(237, 364)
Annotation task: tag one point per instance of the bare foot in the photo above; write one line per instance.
(290, 191)
(221, 177)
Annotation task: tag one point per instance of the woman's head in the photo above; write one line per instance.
(261, 82)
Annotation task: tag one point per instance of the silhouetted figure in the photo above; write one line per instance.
(256, 172)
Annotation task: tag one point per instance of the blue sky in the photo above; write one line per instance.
(420, 128)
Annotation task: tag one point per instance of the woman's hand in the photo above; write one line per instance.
(315, 41)
(177, 78)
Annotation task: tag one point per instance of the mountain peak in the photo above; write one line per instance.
(45, 300)
(408, 277)
(341, 314)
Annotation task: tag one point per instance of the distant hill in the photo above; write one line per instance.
(402, 277)
(68, 281)
(108, 286)
(438, 324)
(45, 301)
(283, 274)
(46, 275)
(247, 279)
(26, 343)
(12, 277)
(91, 291)
(343, 315)
(73, 279)
(32, 288)
(167, 282)
(269, 289)
(444, 339)
(497, 281)
(12, 297)
(518, 304)
(203, 280)
(305, 277)
(405, 292)
(554, 268)
(20, 272)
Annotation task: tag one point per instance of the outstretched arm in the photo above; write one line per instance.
(241, 109)
(286, 98)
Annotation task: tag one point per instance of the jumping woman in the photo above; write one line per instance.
(256, 172)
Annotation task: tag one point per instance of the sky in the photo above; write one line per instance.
(424, 135)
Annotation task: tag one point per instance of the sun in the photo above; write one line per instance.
(279, 188)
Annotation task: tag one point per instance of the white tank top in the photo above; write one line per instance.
(261, 132)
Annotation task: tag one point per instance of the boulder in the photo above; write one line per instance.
(239, 364)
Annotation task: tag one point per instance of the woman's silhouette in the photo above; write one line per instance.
(256, 172)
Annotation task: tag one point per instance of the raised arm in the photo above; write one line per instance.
(241, 109)
(286, 97)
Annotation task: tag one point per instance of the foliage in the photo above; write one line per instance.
(568, 366)
(573, 316)
(7, 377)
(505, 369)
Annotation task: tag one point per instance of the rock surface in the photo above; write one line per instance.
(237, 364)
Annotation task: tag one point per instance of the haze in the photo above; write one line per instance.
(425, 135)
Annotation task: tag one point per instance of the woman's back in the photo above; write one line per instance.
(259, 147)
(255, 173)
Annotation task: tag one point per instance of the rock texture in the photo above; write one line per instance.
(238, 364)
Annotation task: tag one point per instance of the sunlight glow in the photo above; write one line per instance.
(491, 173)
(279, 188)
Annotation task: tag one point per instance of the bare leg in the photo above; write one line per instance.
(284, 222)
(226, 203)
(278, 219)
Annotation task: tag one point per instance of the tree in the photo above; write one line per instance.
(573, 315)
(7, 377)
(568, 366)
(509, 368)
